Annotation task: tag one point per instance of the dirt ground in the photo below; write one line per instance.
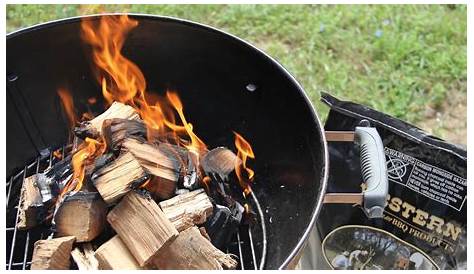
(450, 121)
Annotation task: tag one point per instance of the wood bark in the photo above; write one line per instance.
(142, 226)
(117, 130)
(52, 254)
(164, 167)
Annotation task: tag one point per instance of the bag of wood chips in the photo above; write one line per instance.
(424, 222)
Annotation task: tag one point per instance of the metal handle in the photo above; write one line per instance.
(373, 168)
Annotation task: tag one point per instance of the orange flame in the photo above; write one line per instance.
(197, 145)
(123, 81)
(68, 105)
(244, 151)
(85, 155)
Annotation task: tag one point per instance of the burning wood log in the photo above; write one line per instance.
(51, 182)
(93, 128)
(192, 172)
(187, 209)
(221, 226)
(142, 226)
(85, 259)
(117, 130)
(114, 255)
(31, 204)
(192, 251)
(174, 151)
(81, 215)
(52, 254)
(119, 177)
(220, 161)
(161, 165)
(160, 188)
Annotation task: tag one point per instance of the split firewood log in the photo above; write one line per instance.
(119, 177)
(188, 209)
(52, 254)
(142, 226)
(220, 161)
(81, 215)
(191, 250)
(93, 128)
(31, 204)
(164, 167)
(85, 259)
(117, 130)
(114, 255)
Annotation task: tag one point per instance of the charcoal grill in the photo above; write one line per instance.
(224, 83)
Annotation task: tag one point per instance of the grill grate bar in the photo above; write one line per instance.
(253, 249)
(264, 231)
(242, 266)
(27, 243)
(18, 264)
(15, 229)
(9, 190)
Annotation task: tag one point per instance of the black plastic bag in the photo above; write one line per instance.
(424, 224)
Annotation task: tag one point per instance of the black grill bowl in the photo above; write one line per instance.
(210, 70)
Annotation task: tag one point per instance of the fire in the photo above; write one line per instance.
(244, 151)
(85, 155)
(123, 81)
(68, 105)
(197, 145)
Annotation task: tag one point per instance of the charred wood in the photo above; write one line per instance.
(93, 128)
(118, 130)
(119, 177)
(221, 226)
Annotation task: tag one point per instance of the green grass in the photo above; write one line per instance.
(399, 59)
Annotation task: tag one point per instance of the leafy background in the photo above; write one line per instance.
(409, 61)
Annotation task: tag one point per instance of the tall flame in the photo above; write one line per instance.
(123, 81)
(244, 151)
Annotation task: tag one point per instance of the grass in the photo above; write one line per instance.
(399, 59)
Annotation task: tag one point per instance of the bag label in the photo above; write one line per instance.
(431, 181)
